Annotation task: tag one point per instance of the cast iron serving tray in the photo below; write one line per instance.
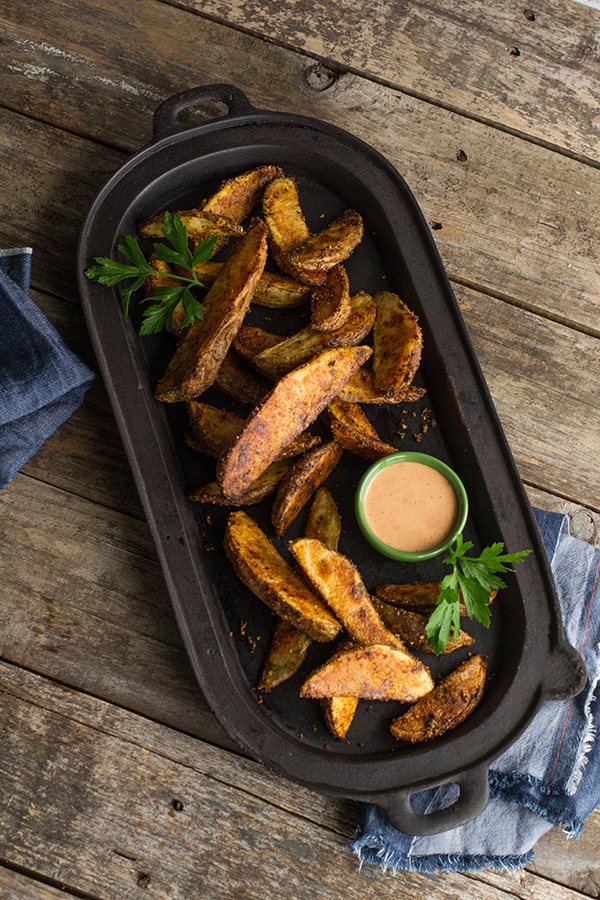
(225, 628)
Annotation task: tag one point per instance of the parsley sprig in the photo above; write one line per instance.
(110, 272)
(472, 578)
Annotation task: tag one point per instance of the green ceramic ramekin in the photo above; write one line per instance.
(443, 469)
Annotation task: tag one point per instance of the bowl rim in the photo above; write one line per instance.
(434, 463)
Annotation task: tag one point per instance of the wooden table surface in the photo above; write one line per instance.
(116, 780)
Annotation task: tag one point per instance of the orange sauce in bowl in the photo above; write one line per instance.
(410, 506)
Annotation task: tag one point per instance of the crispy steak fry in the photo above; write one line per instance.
(324, 521)
(284, 216)
(352, 429)
(410, 627)
(338, 713)
(397, 342)
(301, 481)
(295, 402)
(196, 362)
(375, 672)
(291, 352)
(251, 340)
(446, 706)
(330, 302)
(237, 197)
(329, 247)
(286, 653)
(264, 486)
(360, 389)
(265, 572)
(338, 581)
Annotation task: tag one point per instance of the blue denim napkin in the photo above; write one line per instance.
(41, 382)
(550, 776)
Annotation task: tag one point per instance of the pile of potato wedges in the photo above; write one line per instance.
(353, 350)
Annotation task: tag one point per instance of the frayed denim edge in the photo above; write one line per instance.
(373, 849)
(512, 789)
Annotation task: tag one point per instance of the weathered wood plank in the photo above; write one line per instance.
(516, 220)
(236, 828)
(535, 75)
(17, 885)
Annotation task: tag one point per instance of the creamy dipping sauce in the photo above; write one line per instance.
(410, 506)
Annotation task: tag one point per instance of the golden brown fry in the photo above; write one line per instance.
(330, 302)
(446, 706)
(360, 389)
(280, 291)
(291, 352)
(338, 581)
(300, 483)
(286, 653)
(199, 225)
(237, 380)
(352, 429)
(418, 596)
(375, 672)
(251, 340)
(339, 713)
(397, 342)
(329, 247)
(284, 216)
(196, 362)
(237, 197)
(324, 521)
(295, 401)
(264, 486)
(216, 430)
(410, 627)
(265, 572)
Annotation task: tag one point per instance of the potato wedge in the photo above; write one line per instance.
(265, 572)
(264, 486)
(324, 521)
(236, 379)
(329, 247)
(295, 401)
(375, 672)
(291, 352)
(330, 302)
(163, 278)
(448, 704)
(418, 596)
(360, 389)
(353, 431)
(300, 483)
(286, 653)
(397, 343)
(273, 290)
(237, 197)
(199, 225)
(251, 340)
(338, 581)
(196, 362)
(410, 628)
(284, 216)
(339, 713)
(216, 430)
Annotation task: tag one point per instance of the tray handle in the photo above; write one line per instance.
(166, 116)
(472, 800)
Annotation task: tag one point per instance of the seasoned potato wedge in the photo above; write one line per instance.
(295, 401)
(324, 521)
(360, 389)
(237, 197)
(199, 224)
(397, 343)
(217, 430)
(291, 352)
(202, 349)
(410, 627)
(353, 431)
(286, 653)
(251, 340)
(418, 596)
(272, 289)
(375, 672)
(339, 713)
(265, 572)
(236, 379)
(300, 483)
(448, 704)
(338, 581)
(329, 247)
(264, 486)
(330, 302)
(284, 216)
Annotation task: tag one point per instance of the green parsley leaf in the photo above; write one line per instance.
(472, 578)
(165, 300)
